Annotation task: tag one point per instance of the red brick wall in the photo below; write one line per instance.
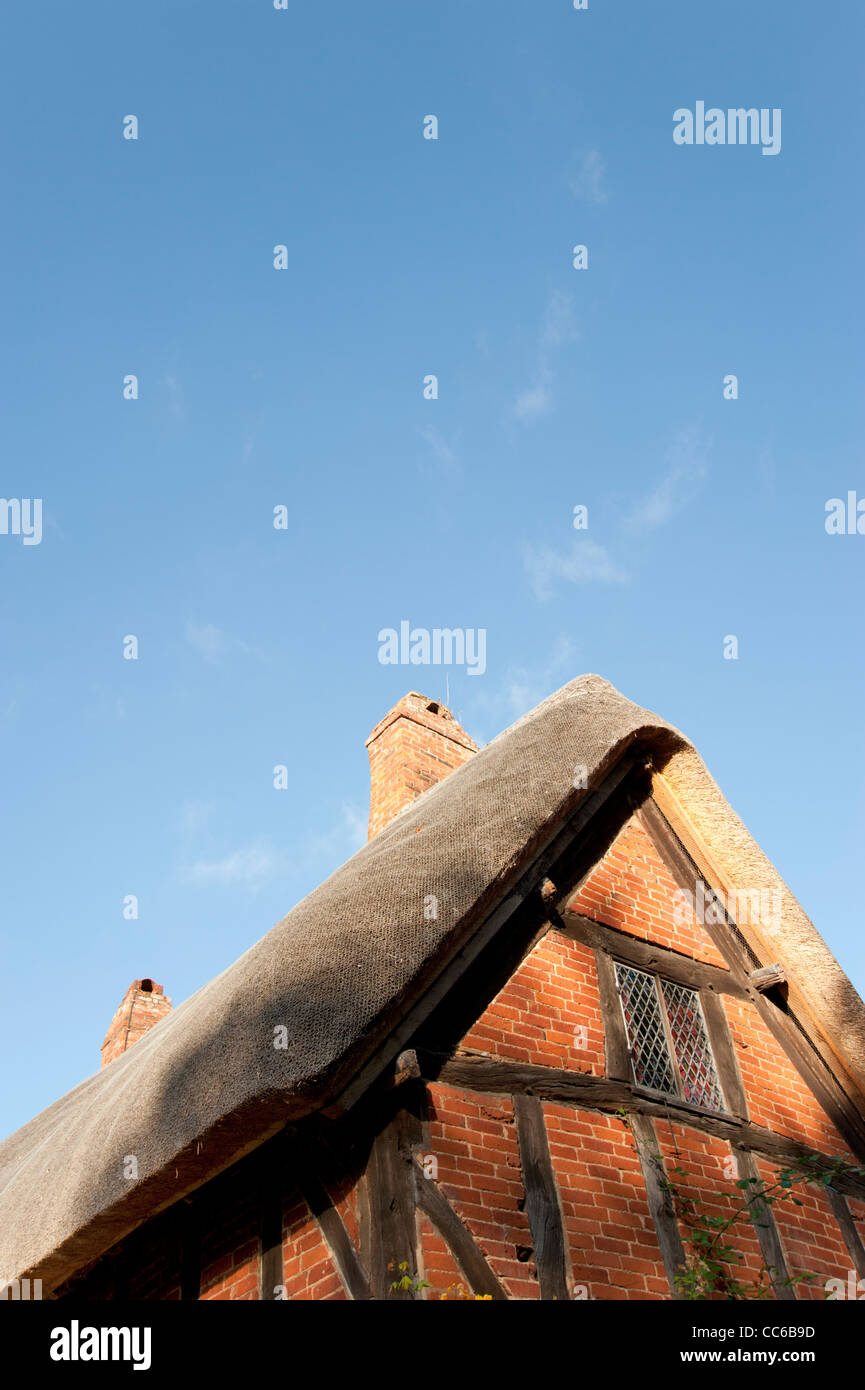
(230, 1245)
(549, 1012)
(632, 889)
(309, 1270)
(777, 1096)
(438, 1266)
(611, 1236)
(810, 1237)
(474, 1140)
(709, 1177)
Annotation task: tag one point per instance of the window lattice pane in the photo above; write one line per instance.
(696, 1068)
(650, 1056)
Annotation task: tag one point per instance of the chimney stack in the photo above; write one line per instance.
(415, 746)
(143, 1005)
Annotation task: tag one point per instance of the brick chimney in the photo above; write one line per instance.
(416, 745)
(143, 1005)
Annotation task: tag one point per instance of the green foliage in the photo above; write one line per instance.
(406, 1283)
(711, 1259)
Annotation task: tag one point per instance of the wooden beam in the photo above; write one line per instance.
(768, 976)
(849, 1230)
(336, 1237)
(617, 1053)
(388, 1190)
(459, 1238)
(543, 1208)
(598, 1093)
(646, 955)
(724, 1054)
(810, 1064)
(767, 1234)
(659, 1199)
(523, 1078)
(271, 1270)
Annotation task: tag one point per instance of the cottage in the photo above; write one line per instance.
(514, 1096)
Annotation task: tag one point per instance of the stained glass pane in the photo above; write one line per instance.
(650, 1055)
(693, 1054)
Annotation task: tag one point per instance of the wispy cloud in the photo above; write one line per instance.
(194, 816)
(535, 401)
(587, 183)
(587, 562)
(442, 454)
(213, 643)
(263, 861)
(251, 866)
(343, 839)
(557, 327)
(687, 467)
(524, 687)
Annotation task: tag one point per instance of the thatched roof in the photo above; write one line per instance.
(207, 1084)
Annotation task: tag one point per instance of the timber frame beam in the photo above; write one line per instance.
(646, 955)
(602, 1094)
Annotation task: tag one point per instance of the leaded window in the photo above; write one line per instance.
(667, 1038)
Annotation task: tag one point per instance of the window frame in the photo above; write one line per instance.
(656, 976)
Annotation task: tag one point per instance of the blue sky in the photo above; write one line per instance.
(304, 388)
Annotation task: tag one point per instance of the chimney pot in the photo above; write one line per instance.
(142, 1006)
(416, 745)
